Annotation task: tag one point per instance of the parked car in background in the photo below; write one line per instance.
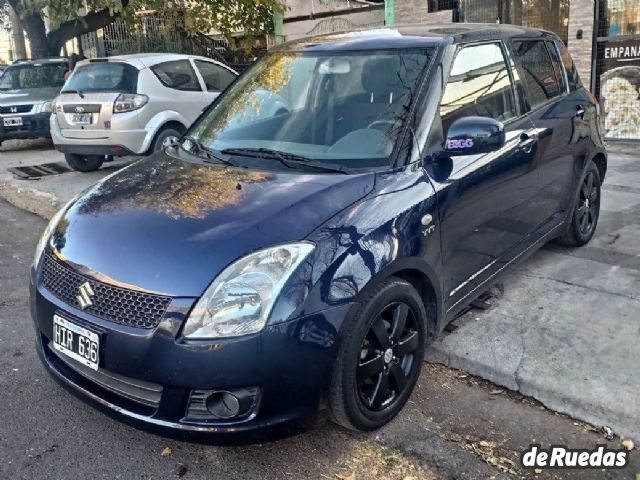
(232, 283)
(132, 104)
(2, 69)
(27, 88)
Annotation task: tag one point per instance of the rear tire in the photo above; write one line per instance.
(164, 138)
(380, 357)
(584, 218)
(84, 163)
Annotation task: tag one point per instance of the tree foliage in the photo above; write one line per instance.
(68, 18)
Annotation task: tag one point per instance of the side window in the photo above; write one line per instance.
(557, 66)
(478, 85)
(539, 74)
(570, 67)
(177, 74)
(216, 78)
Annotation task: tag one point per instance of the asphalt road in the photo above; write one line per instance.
(454, 427)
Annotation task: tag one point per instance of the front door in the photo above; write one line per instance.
(483, 200)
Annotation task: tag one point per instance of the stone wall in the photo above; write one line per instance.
(581, 17)
(416, 11)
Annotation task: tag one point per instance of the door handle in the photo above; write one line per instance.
(580, 111)
(527, 141)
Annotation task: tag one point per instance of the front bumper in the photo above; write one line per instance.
(33, 126)
(289, 363)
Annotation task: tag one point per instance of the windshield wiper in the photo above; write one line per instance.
(208, 153)
(287, 159)
(79, 92)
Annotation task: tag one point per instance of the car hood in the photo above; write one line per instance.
(31, 95)
(170, 226)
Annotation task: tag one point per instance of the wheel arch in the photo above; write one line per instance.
(175, 124)
(600, 159)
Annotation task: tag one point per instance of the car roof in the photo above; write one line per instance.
(411, 36)
(142, 60)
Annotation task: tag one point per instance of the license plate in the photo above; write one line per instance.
(82, 118)
(76, 342)
(12, 121)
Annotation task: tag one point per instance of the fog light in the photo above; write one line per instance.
(222, 405)
(229, 404)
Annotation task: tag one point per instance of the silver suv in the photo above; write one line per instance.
(132, 104)
(27, 88)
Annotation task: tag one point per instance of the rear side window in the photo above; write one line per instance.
(216, 78)
(572, 72)
(178, 75)
(479, 85)
(103, 77)
(539, 73)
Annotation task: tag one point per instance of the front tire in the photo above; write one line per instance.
(84, 163)
(584, 219)
(380, 357)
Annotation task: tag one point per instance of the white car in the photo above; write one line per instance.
(132, 104)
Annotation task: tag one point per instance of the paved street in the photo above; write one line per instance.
(455, 426)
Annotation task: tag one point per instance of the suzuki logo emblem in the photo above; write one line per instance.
(85, 294)
(79, 109)
(14, 109)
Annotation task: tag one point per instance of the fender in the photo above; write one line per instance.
(157, 121)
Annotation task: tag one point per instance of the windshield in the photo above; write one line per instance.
(103, 77)
(35, 75)
(343, 108)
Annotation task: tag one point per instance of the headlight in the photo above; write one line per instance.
(47, 107)
(239, 300)
(126, 102)
(53, 223)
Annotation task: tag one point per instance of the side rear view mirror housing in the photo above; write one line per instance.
(474, 135)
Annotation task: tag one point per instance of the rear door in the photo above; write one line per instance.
(215, 77)
(85, 105)
(484, 200)
(558, 114)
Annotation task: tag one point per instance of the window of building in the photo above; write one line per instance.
(478, 85)
(177, 74)
(619, 17)
(539, 73)
(216, 78)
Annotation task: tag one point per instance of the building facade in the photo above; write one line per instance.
(603, 37)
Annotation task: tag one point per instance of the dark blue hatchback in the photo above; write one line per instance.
(316, 228)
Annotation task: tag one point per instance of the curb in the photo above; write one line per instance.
(552, 399)
(43, 204)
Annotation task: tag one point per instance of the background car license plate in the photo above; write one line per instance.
(76, 342)
(12, 121)
(82, 118)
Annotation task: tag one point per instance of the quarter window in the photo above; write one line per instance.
(178, 75)
(539, 74)
(569, 66)
(479, 85)
(216, 78)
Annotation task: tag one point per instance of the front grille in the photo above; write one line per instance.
(9, 109)
(138, 391)
(120, 305)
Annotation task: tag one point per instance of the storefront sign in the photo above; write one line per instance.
(620, 54)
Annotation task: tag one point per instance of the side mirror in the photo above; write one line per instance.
(474, 135)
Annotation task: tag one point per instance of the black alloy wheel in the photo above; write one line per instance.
(386, 356)
(381, 352)
(584, 218)
(588, 204)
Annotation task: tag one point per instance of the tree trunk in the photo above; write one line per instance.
(37, 34)
(17, 33)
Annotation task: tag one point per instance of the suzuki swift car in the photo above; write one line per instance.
(132, 104)
(270, 264)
